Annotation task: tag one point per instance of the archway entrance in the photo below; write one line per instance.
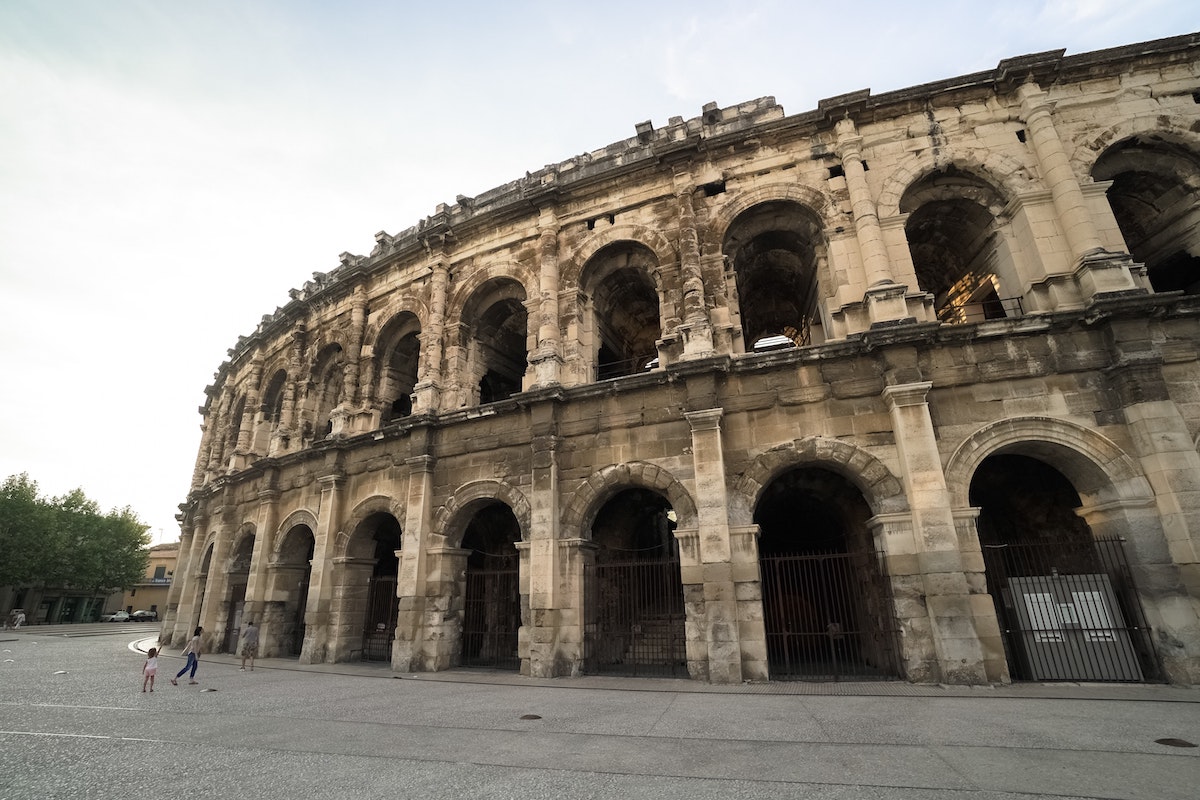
(826, 607)
(239, 576)
(283, 614)
(635, 616)
(1065, 600)
(371, 559)
(492, 591)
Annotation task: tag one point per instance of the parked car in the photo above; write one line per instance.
(116, 616)
(144, 616)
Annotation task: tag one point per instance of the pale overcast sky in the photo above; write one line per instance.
(169, 170)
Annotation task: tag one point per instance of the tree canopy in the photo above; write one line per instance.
(67, 541)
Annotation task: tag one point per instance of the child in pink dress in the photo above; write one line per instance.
(150, 669)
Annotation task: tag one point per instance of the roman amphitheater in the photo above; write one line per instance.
(903, 387)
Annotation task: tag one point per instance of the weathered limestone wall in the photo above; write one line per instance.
(945, 273)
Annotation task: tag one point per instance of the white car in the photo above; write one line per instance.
(117, 616)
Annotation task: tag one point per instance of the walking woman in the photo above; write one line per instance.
(192, 651)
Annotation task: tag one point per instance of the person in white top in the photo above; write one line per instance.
(192, 651)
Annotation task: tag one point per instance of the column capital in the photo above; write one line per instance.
(705, 420)
(907, 394)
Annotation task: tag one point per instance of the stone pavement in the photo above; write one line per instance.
(74, 724)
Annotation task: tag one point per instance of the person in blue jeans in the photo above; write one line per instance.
(192, 651)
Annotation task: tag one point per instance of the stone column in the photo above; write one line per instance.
(409, 653)
(697, 327)
(428, 390)
(1166, 564)
(546, 359)
(212, 611)
(577, 559)
(1097, 271)
(348, 607)
(546, 616)
(169, 623)
(289, 413)
(250, 411)
(264, 535)
(884, 298)
(720, 627)
(317, 617)
(188, 576)
(951, 610)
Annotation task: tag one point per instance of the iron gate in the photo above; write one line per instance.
(1070, 612)
(635, 618)
(492, 614)
(827, 617)
(379, 628)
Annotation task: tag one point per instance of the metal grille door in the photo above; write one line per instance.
(492, 614)
(1070, 612)
(827, 617)
(380, 627)
(635, 618)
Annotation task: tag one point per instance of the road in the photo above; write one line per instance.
(75, 724)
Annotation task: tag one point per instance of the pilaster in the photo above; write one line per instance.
(936, 549)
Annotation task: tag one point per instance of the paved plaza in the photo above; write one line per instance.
(75, 724)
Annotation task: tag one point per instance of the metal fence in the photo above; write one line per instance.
(635, 617)
(379, 627)
(492, 614)
(828, 617)
(1070, 612)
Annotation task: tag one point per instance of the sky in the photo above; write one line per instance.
(169, 170)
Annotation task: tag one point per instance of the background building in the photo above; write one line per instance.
(151, 593)
(904, 386)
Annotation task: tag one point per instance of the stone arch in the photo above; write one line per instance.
(1097, 468)
(812, 199)
(245, 530)
(293, 520)
(1168, 128)
(375, 504)
(385, 318)
(882, 490)
(1006, 174)
(466, 291)
(601, 485)
(452, 518)
(571, 270)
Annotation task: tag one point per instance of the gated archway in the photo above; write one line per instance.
(365, 598)
(1065, 599)
(283, 613)
(826, 607)
(238, 577)
(491, 590)
(635, 616)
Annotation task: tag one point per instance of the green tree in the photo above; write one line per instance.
(67, 541)
(24, 521)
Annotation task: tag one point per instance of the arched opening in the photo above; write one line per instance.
(366, 594)
(774, 249)
(827, 610)
(399, 354)
(284, 611)
(625, 307)
(496, 346)
(238, 577)
(235, 427)
(1153, 197)
(1065, 600)
(325, 393)
(635, 615)
(271, 410)
(958, 252)
(491, 589)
